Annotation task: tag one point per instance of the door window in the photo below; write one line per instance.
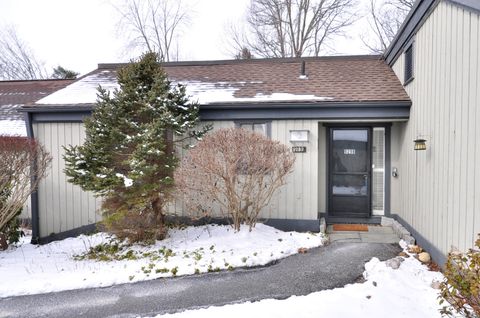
(350, 166)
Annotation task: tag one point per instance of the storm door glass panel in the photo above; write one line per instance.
(378, 170)
(350, 172)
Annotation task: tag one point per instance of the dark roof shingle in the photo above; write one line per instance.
(329, 79)
(15, 94)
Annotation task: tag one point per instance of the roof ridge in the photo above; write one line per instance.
(36, 80)
(251, 61)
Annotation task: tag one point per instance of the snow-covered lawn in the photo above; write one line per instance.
(404, 292)
(31, 269)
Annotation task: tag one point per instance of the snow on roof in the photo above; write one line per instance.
(223, 92)
(83, 91)
(12, 128)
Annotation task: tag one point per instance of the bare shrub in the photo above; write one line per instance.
(234, 172)
(461, 287)
(23, 162)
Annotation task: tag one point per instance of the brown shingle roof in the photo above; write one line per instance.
(359, 78)
(14, 94)
(329, 79)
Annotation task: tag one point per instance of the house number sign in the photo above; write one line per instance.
(299, 149)
(348, 151)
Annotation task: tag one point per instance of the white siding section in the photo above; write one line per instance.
(438, 190)
(62, 206)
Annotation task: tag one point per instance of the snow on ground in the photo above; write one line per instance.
(31, 269)
(12, 128)
(404, 292)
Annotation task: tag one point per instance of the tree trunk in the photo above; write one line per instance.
(160, 230)
(3, 242)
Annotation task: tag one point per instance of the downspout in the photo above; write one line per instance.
(34, 195)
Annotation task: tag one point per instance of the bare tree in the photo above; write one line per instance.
(385, 19)
(234, 172)
(154, 25)
(23, 162)
(293, 28)
(17, 61)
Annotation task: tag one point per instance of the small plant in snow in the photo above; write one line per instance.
(161, 270)
(461, 288)
(174, 271)
(197, 255)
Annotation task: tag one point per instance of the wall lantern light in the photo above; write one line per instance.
(420, 144)
(299, 135)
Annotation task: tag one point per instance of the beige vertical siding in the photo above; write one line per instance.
(62, 206)
(298, 199)
(438, 190)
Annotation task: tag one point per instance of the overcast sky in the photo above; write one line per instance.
(79, 34)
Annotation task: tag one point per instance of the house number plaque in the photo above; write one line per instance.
(348, 151)
(299, 149)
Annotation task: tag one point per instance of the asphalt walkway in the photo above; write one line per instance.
(335, 265)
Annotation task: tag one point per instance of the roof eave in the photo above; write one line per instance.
(45, 108)
(310, 104)
(412, 23)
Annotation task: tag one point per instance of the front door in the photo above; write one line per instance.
(349, 172)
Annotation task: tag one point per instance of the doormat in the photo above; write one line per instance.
(350, 227)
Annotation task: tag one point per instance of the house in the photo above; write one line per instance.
(352, 101)
(350, 120)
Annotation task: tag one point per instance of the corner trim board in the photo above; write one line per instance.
(34, 194)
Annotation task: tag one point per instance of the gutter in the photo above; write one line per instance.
(234, 105)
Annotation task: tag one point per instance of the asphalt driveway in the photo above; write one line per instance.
(332, 266)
